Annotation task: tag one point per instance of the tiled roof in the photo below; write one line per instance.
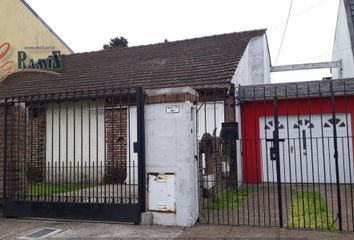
(204, 62)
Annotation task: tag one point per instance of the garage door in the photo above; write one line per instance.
(307, 152)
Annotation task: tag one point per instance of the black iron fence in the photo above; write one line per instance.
(288, 162)
(75, 155)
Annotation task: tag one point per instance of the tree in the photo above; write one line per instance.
(117, 42)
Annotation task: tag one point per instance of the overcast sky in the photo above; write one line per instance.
(85, 25)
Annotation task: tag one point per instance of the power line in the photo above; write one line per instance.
(286, 26)
(298, 14)
(308, 9)
(325, 54)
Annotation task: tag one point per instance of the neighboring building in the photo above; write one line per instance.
(343, 48)
(24, 30)
(212, 65)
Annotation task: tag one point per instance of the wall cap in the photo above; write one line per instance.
(170, 91)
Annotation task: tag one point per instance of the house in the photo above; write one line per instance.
(102, 129)
(24, 31)
(343, 47)
(209, 125)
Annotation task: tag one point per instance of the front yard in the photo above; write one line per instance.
(308, 210)
(51, 189)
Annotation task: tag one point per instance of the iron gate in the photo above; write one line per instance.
(75, 155)
(291, 164)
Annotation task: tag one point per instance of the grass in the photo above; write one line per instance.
(231, 199)
(49, 189)
(309, 210)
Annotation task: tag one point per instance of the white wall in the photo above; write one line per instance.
(238, 145)
(61, 144)
(254, 66)
(92, 148)
(171, 148)
(211, 115)
(132, 158)
(342, 48)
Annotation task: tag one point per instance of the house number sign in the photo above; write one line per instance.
(172, 109)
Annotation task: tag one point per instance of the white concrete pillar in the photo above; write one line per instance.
(171, 165)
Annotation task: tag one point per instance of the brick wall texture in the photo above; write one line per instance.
(15, 164)
(35, 145)
(116, 124)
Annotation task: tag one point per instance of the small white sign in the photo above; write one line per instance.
(172, 109)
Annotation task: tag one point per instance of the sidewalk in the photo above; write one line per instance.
(258, 233)
(19, 228)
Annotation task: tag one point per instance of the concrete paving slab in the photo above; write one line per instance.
(17, 228)
(11, 227)
(258, 233)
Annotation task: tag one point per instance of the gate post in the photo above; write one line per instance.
(141, 147)
(171, 163)
(277, 157)
(333, 105)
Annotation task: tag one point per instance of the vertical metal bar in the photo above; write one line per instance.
(5, 149)
(215, 143)
(112, 146)
(349, 136)
(45, 150)
(257, 162)
(300, 123)
(89, 147)
(345, 179)
(59, 151)
(97, 164)
(82, 153)
(323, 154)
(333, 105)
(267, 156)
(40, 190)
(12, 164)
(74, 150)
(275, 186)
(18, 116)
(276, 146)
(30, 142)
(25, 149)
(289, 154)
(120, 134)
(247, 165)
(200, 173)
(52, 147)
(224, 182)
(319, 180)
(67, 182)
(105, 149)
(129, 152)
(236, 158)
(312, 165)
(141, 146)
(206, 160)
